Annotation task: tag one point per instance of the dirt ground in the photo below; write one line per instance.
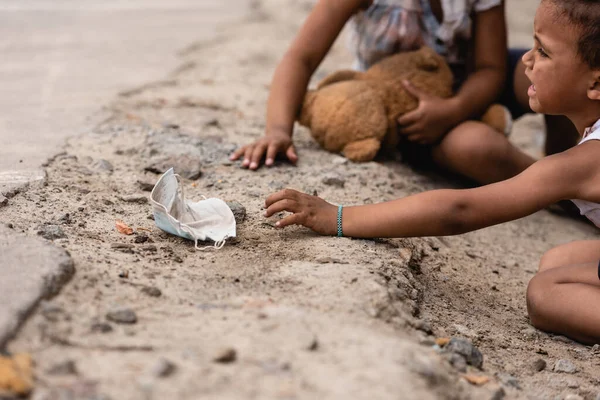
(282, 314)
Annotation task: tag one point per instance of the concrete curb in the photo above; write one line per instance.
(30, 270)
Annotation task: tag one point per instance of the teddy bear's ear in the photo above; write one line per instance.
(427, 59)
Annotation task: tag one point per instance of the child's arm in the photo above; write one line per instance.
(434, 117)
(566, 175)
(291, 78)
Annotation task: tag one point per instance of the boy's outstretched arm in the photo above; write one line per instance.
(566, 175)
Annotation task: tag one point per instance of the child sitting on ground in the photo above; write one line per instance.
(564, 70)
(470, 34)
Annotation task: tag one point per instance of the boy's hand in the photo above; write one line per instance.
(310, 211)
(271, 144)
(430, 120)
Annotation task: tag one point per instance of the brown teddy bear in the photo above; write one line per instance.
(355, 112)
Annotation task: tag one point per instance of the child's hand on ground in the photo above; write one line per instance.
(310, 211)
(271, 144)
(430, 120)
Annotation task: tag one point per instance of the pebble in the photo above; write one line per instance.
(239, 211)
(122, 316)
(145, 186)
(313, 344)
(572, 384)
(539, 365)
(163, 368)
(101, 327)
(565, 366)
(51, 232)
(3, 201)
(572, 396)
(150, 248)
(141, 239)
(225, 355)
(596, 348)
(63, 368)
(508, 380)
(330, 260)
(10, 225)
(458, 362)
(151, 291)
(103, 165)
(334, 180)
(123, 247)
(466, 349)
(183, 164)
(135, 198)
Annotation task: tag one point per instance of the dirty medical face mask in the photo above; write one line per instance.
(208, 219)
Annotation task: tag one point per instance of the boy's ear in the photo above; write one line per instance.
(594, 89)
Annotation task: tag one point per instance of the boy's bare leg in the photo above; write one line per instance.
(578, 252)
(564, 300)
(561, 134)
(479, 152)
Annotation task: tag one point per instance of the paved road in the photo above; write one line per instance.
(63, 59)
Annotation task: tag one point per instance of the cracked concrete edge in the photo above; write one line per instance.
(16, 181)
(31, 270)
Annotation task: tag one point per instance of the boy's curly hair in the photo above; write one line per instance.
(584, 15)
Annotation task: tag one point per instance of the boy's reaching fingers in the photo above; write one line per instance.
(282, 194)
(293, 219)
(282, 205)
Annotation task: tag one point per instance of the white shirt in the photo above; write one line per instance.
(589, 209)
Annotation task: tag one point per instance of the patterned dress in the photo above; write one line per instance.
(391, 26)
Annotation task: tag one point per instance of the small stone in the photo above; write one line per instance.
(596, 348)
(239, 211)
(539, 365)
(124, 274)
(150, 248)
(313, 344)
(185, 165)
(572, 384)
(458, 362)
(423, 326)
(141, 239)
(145, 186)
(51, 232)
(3, 201)
(466, 349)
(334, 180)
(122, 316)
(508, 380)
(562, 339)
(542, 352)
(529, 333)
(498, 393)
(101, 327)
(225, 355)
(10, 226)
(151, 291)
(572, 396)
(135, 198)
(103, 165)
(163, 368)
(63, 368)
(50, 311)
(122, 247)
(565, 366)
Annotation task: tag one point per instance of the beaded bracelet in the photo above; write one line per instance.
(340, 233)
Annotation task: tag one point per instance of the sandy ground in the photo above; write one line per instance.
(275, 314)
(63, 60)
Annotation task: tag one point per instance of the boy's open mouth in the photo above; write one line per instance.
(531, 90)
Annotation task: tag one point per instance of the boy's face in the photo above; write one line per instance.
(559, 77)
